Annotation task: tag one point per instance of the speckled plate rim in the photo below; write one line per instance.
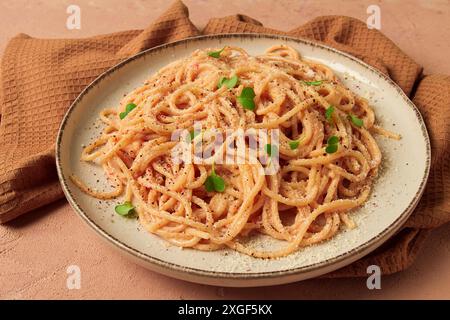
(246, 279)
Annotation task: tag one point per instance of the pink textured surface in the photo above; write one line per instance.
(36, 249)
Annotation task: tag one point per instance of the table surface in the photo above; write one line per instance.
(36, 249)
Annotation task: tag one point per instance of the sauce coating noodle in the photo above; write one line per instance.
(305, 202)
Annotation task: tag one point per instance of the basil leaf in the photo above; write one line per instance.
(122, 115)
(332, 144)
(221, 81)
(214, 183)
(271, 149)
(331, 148)
(124, 209)
(248, 104)
(294, 144)
(219, 183)
(248, 93)
(128, 109)
(191, 136)
(209, 184)
(329, 113)
(355, 120)
(332, 140)
(268, 148)
(230, 83)
(246, 98)
(313, 83)
(215, 54)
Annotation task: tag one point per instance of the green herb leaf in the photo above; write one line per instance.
(124, 209)
(329, 113)
(221, 81)
(294, 144)
(230, 83)
(271, 149)
(219, 183)
(215, 54)
(333, 140)
(332, 144)
(191, 136)
(214, 182)
(128, 109)
(331, 148)
(209, 184)
(246, 98)
(355, 120)
(313, 83)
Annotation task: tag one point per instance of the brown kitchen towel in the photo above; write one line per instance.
(41, 77)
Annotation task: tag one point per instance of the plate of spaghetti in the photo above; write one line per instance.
(242, 159)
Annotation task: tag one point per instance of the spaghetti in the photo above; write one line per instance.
(328, 157)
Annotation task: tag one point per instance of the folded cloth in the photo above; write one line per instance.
(41, 77)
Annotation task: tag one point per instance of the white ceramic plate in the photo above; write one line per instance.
(395, 194)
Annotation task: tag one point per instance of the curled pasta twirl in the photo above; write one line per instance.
(327, 156)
